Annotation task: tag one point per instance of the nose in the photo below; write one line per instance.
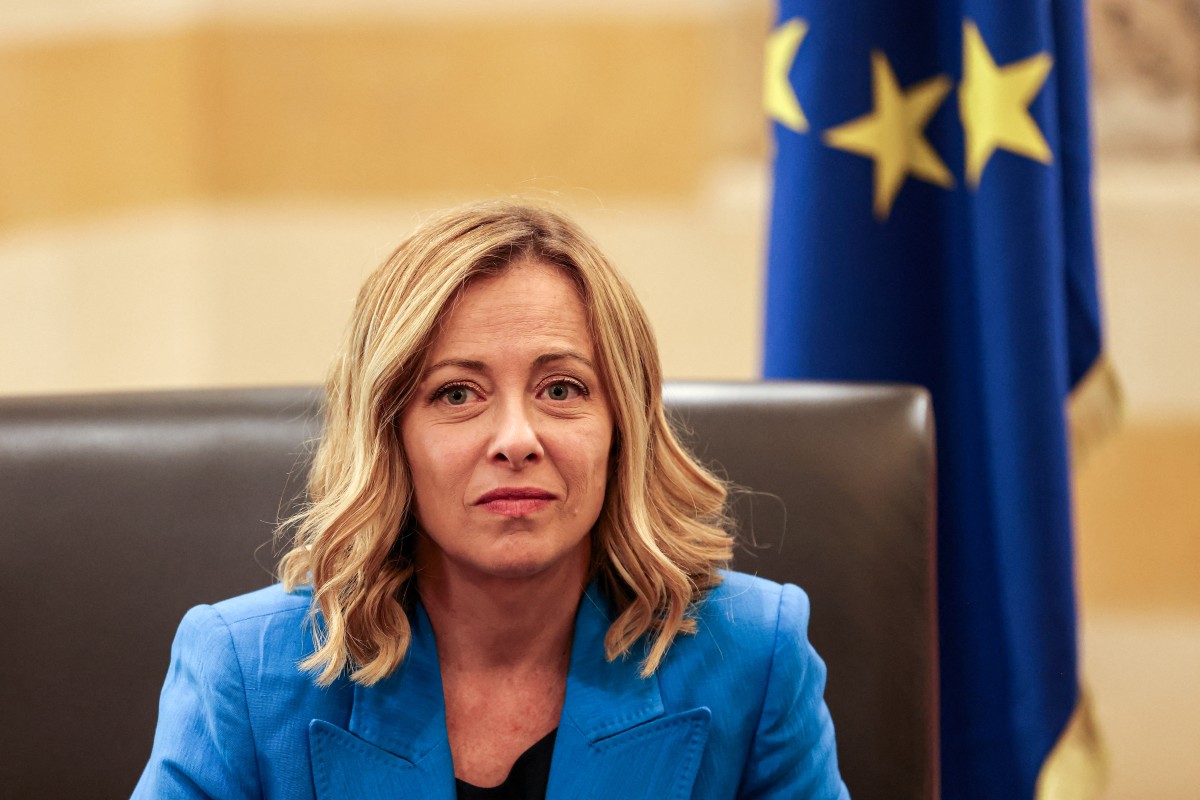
(515, 441)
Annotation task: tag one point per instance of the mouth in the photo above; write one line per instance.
(516, 501)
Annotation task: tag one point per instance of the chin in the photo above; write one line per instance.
(521, 565)
(518, 570)
(527, 560)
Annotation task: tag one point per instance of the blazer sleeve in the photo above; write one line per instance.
(793, 754)
(203, 745)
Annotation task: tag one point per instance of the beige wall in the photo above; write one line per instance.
(192, 198)
(251, 294)
(191, 192)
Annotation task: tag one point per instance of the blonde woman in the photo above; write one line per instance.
(507, 582)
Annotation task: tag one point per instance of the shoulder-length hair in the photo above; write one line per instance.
(662, 533)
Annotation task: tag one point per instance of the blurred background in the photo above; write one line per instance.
(191, 192)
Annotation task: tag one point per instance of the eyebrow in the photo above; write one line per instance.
(546, 358)
(462, 364)
(479, 366)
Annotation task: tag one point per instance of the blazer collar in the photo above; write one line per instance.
(405, 714)
(395, 744)
(612, 721)
(614, 739)
(605, 697)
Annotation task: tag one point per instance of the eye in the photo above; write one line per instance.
(455, 394)
(563, 389)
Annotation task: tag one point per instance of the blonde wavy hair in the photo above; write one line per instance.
(661, 535)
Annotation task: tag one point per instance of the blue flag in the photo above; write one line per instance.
(931, 224)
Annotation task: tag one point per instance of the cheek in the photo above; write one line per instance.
(590, 460)
(440, 464)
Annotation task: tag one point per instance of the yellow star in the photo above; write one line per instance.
(893, 134)
(779, 99)
(994, 104)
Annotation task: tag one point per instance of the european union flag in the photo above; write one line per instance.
(931, 224)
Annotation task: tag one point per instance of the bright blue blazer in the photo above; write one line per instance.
(735, 711)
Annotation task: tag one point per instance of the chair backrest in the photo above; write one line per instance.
(121, 511)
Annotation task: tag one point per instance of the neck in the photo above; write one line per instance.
(486, 623)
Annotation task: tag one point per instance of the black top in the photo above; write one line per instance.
(526, 780)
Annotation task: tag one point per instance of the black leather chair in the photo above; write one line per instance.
(121, 511)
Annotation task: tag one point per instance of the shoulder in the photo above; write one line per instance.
(774, 689)
(750, 663)
(751, 607)
(234, 699)
(270, 601)
(740, 624)
(266, 624)
(247, 651)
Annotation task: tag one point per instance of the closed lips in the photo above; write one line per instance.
(517, 493)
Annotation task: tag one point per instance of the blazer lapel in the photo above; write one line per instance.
(396, 743)
(613, 738)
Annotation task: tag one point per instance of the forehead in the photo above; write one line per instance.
(529, 304)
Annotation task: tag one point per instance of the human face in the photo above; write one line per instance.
(508, 436)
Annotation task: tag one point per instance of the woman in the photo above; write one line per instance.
(507, 582)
